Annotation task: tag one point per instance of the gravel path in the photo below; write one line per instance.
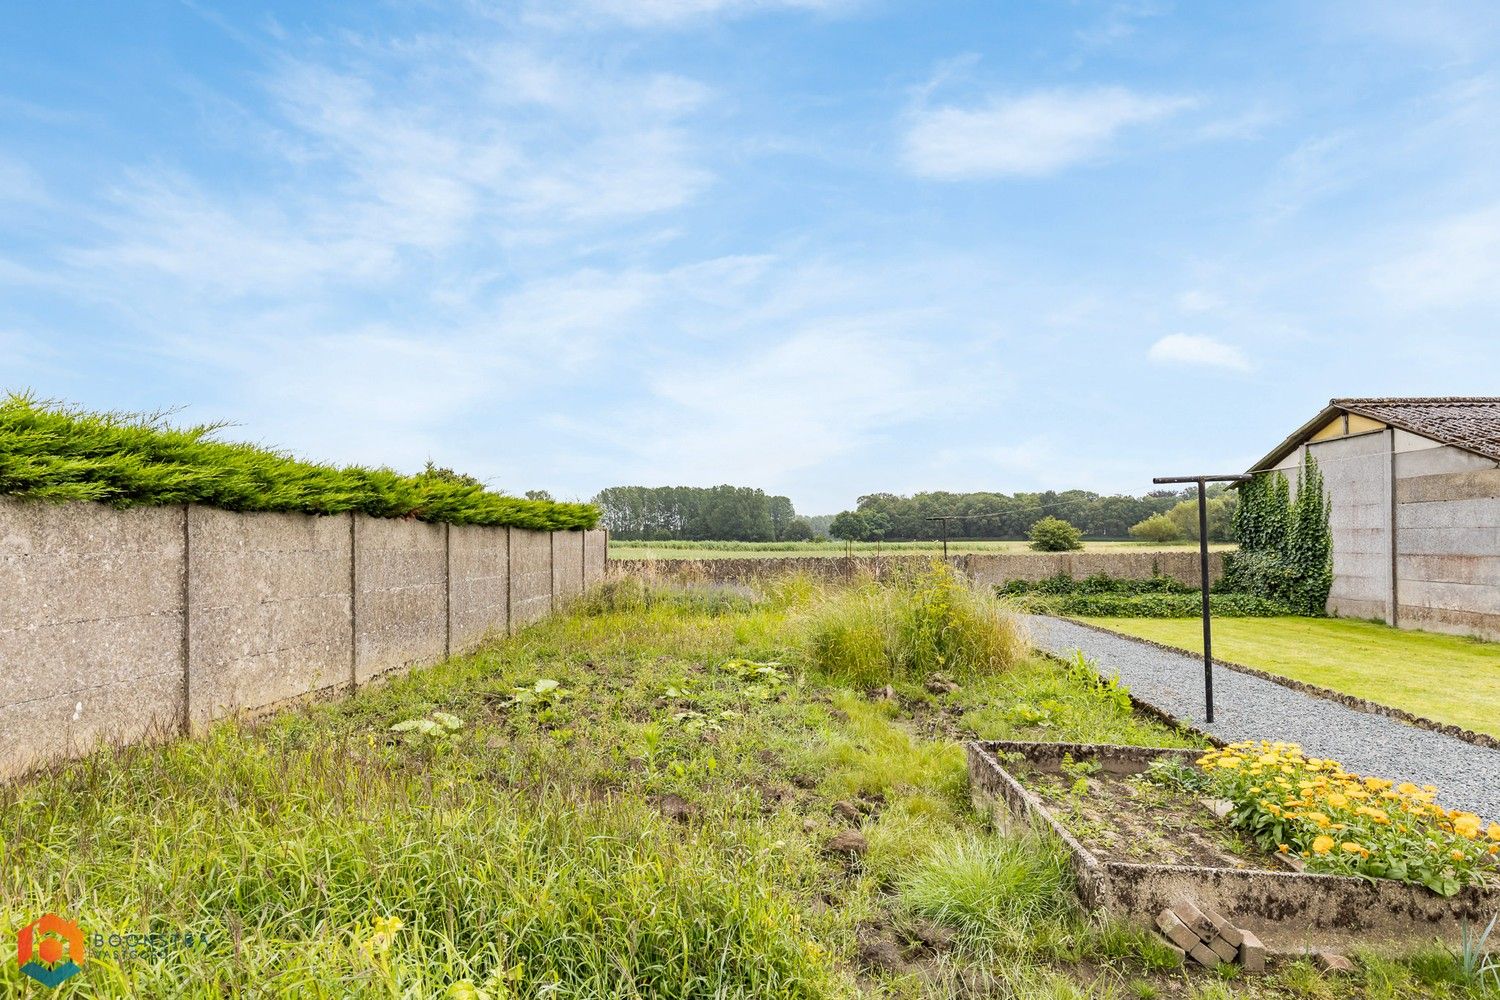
(1248, 707)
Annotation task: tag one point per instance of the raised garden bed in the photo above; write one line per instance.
(1137, 848)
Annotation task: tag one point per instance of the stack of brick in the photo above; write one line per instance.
(1208, 938)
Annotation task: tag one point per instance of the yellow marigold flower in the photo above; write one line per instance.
(1466, 826)
(1337, 801)
(1282, 848)
(1350, 847)
(1493, 832)
(1322, 844)
(1456, 855)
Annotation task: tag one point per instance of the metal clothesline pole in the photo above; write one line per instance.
(1208, 646)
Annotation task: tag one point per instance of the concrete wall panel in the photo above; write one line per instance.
(91, 627)
(1357, 481)
(478, 584)
(595, 556)
(269, 603)
(401, 595)
(567, 565)
(530, 576)
(1477, 485)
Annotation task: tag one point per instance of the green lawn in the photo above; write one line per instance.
(830, 549)
(1448, 678)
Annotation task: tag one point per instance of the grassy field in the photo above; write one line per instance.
(1448, 678)
(634, 800)
(774, 550)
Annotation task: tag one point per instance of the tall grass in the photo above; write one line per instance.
(995, 891)
(57, 453)
(934, 621)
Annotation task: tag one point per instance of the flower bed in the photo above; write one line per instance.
(1135, 851)
(1344, 824)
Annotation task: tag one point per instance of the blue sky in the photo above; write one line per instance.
(826, 247)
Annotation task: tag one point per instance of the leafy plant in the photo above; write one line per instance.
(545, 693)
(1342, 823)
(1053, 534)
(1156, 528)
(438, 726)
(1286, 546)
(1476, 965)
(57, 453)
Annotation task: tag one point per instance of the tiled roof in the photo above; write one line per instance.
(1468, 422)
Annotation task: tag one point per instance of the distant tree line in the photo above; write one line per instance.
(721, 513)
(905, 518)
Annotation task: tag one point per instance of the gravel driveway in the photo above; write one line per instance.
(1248, 707)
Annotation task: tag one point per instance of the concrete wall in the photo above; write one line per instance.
(1416, 531)
(478, 584)
(567, 566)
(1447, 539)
(530, 576)
(269, 605)
(984, 569)
(400, 595)
(91, 627)
(1357, 480)
(121, 625)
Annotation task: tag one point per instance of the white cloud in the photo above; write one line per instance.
(654, 13)
(1028, 135)
(1451, 264)
(1204, 352)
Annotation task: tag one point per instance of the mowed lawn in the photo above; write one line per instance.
(1449, 678)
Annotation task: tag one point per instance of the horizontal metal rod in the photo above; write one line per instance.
(1201, 479)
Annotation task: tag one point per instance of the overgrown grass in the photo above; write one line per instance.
(934, 621)
(655, 825)
(56, 453)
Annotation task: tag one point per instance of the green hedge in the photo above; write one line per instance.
(1099, 583)
(53, 453)
(1157, 605)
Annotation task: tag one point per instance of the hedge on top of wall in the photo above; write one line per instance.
(58, 453)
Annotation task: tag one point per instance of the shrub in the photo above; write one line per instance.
(1156, 528)
(798, 531)
(1098, 583)
(1188, 605)
(878, 633)
(58, 454)
(1053, 534)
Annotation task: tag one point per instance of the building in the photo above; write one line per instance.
(1414, 487)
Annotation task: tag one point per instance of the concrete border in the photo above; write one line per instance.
(1291, 912)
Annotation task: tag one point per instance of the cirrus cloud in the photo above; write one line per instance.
(1197, 351)
(1032, 134)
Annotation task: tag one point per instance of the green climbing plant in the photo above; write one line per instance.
(1286, 547)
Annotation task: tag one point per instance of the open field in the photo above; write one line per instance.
(733, 550)
(656, 823)
(1448, 678)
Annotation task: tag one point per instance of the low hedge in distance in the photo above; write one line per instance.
(1162, 606)
(55, 453)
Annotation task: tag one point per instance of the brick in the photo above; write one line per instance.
(1226, 951)
(1175, 930)
(1203, 955)
(1194, 918)
(1252, 953)
(1227, 930)
(1333, 963)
